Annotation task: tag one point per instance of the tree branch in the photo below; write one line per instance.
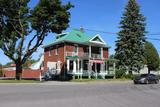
(7, 52)
(40, 39)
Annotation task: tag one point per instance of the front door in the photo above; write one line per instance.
(96, 67)
(71, 65)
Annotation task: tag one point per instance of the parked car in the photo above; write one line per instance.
(49, 75)
(146, 79)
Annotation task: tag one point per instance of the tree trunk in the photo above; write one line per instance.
(18, 71)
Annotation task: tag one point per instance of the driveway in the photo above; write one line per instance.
(64, 94)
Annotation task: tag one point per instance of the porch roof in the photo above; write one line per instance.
(71, 57)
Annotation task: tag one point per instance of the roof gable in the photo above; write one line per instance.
(97, 39)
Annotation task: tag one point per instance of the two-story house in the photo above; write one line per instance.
(77, 53)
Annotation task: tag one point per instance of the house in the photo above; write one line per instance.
(38, 64)
(78, 54)
(12, 66)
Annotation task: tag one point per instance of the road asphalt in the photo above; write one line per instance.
(71, 94)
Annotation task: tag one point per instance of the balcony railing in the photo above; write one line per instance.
(97, 56)
(83, 54)
(71, 54)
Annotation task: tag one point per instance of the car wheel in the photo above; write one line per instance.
(135, 82)
(156, 81)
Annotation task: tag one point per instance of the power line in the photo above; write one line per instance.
(113, 33)
(101, 31)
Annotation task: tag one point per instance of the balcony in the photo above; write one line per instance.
(96, 56)
(83, 54)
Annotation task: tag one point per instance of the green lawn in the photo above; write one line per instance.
(19, 81)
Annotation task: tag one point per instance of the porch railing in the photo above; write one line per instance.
(71, 54)
(83, 54)
(97, 56)
(92, 73)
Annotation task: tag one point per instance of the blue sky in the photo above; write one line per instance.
(104, 15)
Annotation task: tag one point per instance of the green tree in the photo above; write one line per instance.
(111, 56)
(8, 64)
(22, 30)
(29, 62)
(159, 63)
(111, 60)
(151, 57)
(1, 69)
(131, 38)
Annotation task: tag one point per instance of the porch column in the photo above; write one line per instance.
(103, 69)
(81, 68)
(106, 67)
(101, 53)
(90, 51)
(68, 64)
(78, 68)
(89, 71)
(74, 66)
(78, 65)
(96, 69)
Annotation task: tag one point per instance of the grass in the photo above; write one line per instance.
(99, 80)
(19, 81)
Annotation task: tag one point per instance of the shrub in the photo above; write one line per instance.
(1, 72)
(120, 72)
(129, 76)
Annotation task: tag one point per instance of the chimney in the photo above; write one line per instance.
(82, 29)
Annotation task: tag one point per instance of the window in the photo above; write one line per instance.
(76, 49)
(99, 50)
(50, 51)
(57, 50)
(42, 65)
(87, 49)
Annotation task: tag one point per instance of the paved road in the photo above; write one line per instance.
(56, 94)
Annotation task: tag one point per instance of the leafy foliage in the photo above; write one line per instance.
(111, 56)
(8, 64)
(151, 56)
(22, 30)
(121, 72)
(131, 38)
(1, 69)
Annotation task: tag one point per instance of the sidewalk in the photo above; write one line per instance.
(67, 83)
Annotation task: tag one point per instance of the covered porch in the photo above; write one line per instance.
(89, 68)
